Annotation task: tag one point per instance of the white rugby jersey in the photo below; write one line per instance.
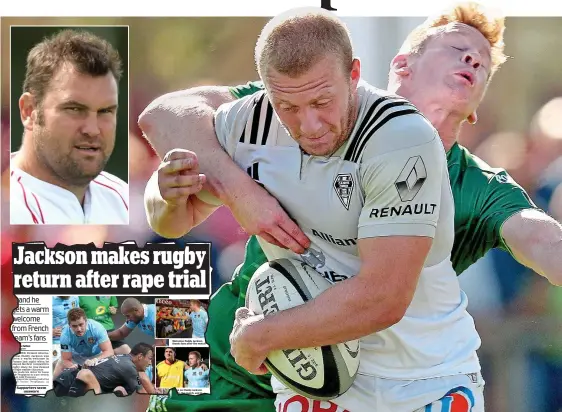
(389, 179)
(34, 201)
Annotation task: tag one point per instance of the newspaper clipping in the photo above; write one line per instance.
(71, 344)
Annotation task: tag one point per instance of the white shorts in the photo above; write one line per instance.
(458, 393)
(56, 352)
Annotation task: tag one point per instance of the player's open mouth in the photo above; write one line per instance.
(467, 76)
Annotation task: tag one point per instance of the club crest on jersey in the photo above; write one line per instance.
(411, 179)
(91, 341)
(343, 185)
(502, 178)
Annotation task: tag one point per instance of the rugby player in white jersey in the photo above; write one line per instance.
(389, 234)
(69, 113)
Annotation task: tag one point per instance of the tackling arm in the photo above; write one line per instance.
(535, 240)
(120, 334)
(185, 119)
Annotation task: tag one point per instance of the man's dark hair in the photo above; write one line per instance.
(141, 348)
(86, 52)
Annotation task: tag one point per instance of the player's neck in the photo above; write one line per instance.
(447, 123)
(27, 160)
(445, 120)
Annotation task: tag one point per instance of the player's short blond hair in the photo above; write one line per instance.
(472, 14)
(293, 42)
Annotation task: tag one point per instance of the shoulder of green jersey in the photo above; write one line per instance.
(478, 167)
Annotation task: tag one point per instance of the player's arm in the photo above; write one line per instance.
(121, 333)
(146, 384)
(185, 120)
(504, 216)
(67, 361)
(392, 248)
(66, 352)
(535, 240)
(106, 350)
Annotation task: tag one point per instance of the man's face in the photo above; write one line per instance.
(133, 315)
(454, 66)
(143, 361)
(169, 355)
(78, 326)
(318, 107)
(74, 134)
(192, 360)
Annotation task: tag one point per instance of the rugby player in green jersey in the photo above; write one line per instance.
(491, 210)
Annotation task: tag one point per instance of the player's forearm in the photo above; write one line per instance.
(185, 120)
(545, 258)
(347, 311)
(146, 383)
(68, 363)
(535, 240)
(117, 334)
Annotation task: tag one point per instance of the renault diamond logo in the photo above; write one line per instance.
(411, 179)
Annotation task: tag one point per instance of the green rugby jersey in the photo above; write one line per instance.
(97, 308)
(484, 199)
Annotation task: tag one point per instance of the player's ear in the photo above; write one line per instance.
(472, 118)
(355, 72)
(399, 65)
(28, 110)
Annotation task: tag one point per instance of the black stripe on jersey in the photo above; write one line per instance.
(366, 129)
(267, 125)
(256, 120)
(365, 122)
(391, 116)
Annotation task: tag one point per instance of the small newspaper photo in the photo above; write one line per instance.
(73, 341)
(185, 368)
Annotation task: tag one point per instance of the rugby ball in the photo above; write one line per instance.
(321, 373)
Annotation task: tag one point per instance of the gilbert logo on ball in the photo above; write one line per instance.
(321, 373)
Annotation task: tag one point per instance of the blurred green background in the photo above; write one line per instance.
(23, 38)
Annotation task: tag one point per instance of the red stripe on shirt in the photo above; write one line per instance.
(103, 174)
(116, 191)
(39, 206)
(25, 200)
